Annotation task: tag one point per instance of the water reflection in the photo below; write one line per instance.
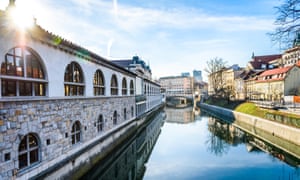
(189, 146)
(224, 135)
(181, 115)
(128, 161)
(206, 147)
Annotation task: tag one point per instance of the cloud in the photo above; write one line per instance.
(184, 35)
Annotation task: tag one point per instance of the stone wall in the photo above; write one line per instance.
(51, 120)
(288, 133)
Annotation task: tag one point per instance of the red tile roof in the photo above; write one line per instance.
(272, 72)
(275, 71)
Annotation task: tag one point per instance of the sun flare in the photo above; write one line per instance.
(21, 18)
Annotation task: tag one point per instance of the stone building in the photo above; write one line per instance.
(61, 104)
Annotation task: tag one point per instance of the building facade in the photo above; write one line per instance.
(274, 84)
(59, 100)
(177, 85)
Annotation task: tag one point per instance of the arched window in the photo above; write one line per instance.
(114, 85)
(76, 132)
(124, 86)
(74, 82)
(115, 118)
(29, 150)
(125, 114)
(132, 111)
(22, 73)
(99, 83)
(99, 123)
(131, 87)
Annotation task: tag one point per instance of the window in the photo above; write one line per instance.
(22, 73)
(99, 123)
(115, 118)
(74, 83)
(124, 86)
(114, 85)
(125, 114)
(99, 83)
(132, 111)
(76, 132)
(131, 88)
(28, 151)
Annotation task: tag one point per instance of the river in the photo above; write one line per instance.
(189, 144)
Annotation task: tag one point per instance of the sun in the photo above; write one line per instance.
(21, 17)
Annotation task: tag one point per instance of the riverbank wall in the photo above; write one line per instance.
(255, 124)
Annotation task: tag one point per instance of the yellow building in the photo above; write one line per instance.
(273, 84)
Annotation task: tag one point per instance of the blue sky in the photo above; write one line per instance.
(173, 36)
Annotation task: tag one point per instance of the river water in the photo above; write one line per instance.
(189, 144)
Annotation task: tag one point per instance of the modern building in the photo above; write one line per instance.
(186, 74)
(61, 105)
(197, 74)
(177, 85)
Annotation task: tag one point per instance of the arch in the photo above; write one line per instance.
(125, 113)
(29, 151)
(99, 83)
(131, 87)
(23, 73)
(132, 111)
(114, 85)
(115, 118)
(74, 80)
(76, 132)
(124, 86)
(100, 123)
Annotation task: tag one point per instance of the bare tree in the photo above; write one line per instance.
(287, 22)
(214, 70)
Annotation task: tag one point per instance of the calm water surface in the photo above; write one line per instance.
(182, 145)
(201, 147)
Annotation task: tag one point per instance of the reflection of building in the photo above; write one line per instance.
(254, 143)
(185, 115)
(128, 161)
(254, 138)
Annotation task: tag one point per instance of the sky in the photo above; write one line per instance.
(172, 36)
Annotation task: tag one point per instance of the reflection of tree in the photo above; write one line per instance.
(215, 142)
(221, 136)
